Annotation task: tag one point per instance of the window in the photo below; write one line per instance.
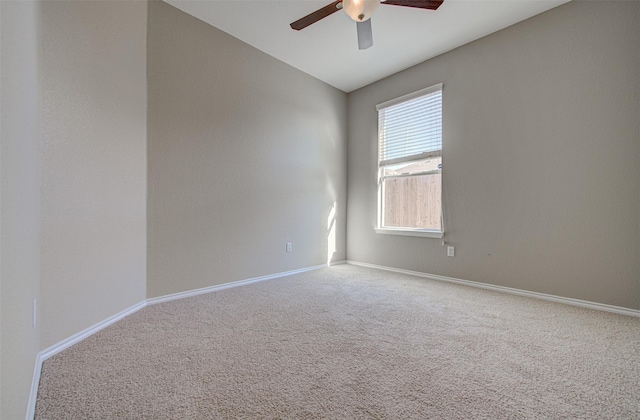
(410, 164)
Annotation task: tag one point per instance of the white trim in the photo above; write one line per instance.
(408, 232)
(223, 286)
(543, 296)
(64, 344)
(33, 394)
(420, 156)
(76, 338)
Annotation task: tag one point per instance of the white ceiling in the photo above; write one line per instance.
(328, 49)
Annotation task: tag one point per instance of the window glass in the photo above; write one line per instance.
(410, 162)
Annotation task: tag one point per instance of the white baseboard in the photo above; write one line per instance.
(33, 394)
(64, 344)
(196, 292)
(76, 338)
(510, 290)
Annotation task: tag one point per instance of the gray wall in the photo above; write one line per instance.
(541, 161)
(245, 154)
(93, 163)
(73, 175)
(541, 152)
(19, 201)
(73, 163)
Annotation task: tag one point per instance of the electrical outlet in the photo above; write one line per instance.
(289, 246)
(451, 252)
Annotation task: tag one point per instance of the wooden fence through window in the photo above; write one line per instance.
(413, 201)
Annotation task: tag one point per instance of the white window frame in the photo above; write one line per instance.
(406, 231)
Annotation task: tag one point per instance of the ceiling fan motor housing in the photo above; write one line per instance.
(360, 10)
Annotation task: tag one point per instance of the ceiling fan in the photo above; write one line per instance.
(360, 11)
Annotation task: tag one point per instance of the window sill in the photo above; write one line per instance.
(411, 232)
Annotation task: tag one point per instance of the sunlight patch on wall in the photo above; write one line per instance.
(331, 235)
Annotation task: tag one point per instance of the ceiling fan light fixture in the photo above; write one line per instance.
(360, 10)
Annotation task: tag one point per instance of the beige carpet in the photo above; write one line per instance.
(351, 342)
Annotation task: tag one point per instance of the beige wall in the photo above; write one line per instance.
(73, 225)
(19, 200)
(245, 154)
(541, 162)
(93, 153)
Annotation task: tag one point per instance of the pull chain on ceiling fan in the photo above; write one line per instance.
(360, 11)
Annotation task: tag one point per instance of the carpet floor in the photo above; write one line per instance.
(350, 342)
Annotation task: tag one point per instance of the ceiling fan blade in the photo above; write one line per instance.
(316, 16)
(365, 35)
(420, 4)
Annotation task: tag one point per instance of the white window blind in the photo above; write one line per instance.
(410, 127)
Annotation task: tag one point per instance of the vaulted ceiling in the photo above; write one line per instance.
(328, 49)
